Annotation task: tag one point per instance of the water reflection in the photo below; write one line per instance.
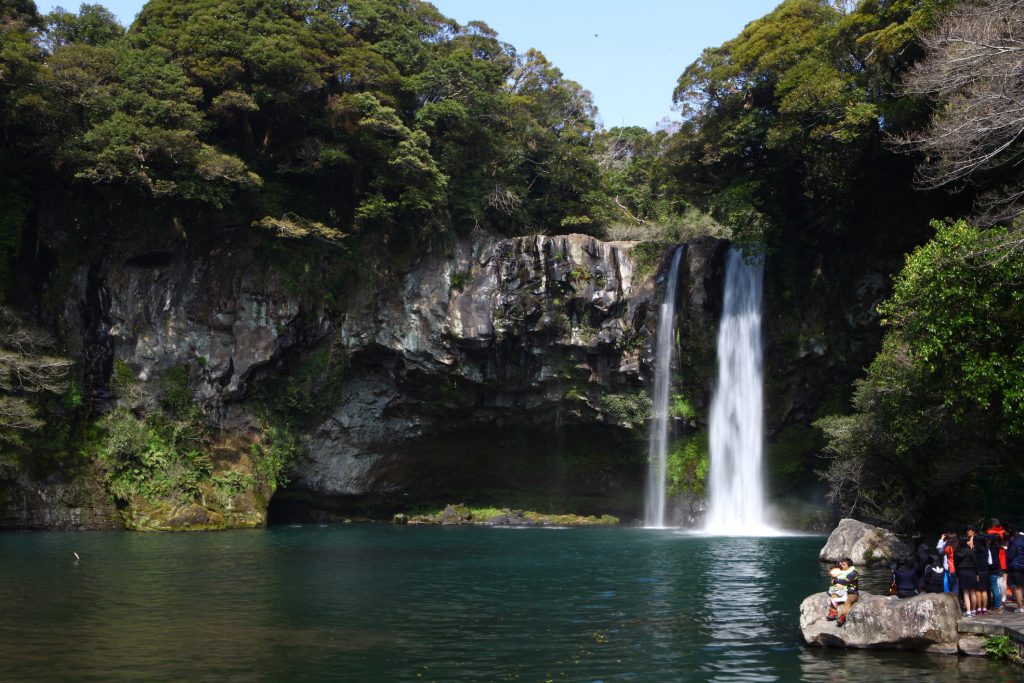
(818, 666)
(738, 623)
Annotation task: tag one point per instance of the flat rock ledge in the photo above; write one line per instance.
(862, 543)
(925, 623)
(975, 632)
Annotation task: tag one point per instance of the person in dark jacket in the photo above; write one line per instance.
(905, 578)
(921, 553)
(933, 578)
(982, 559)
(967, 574)
(1015, 566)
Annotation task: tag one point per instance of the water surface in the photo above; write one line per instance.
(383, 603)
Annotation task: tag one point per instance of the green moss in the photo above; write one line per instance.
(687, 466)
(628, 410)
(483, 515)
(231, 485)
(122, 377)
(272, 459)
(72, 398)
(302, 390)
(682, 408)
(176, 395)
(645, 257)
(460, 279)
(158, 464)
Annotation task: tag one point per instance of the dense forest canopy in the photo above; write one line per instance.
(376, 115)
(383, 122)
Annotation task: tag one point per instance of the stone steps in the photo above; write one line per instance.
(974, 631)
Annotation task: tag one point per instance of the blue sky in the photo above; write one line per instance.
(627, 53)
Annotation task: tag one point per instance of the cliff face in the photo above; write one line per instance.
(515, 367)
(502, 372)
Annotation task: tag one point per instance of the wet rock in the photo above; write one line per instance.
(862, 543)
(456, 514)
(510, 518)
(926, 622)
(972, 644)
(58, 503)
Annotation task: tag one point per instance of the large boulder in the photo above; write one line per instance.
(862, 543)
(925, 622)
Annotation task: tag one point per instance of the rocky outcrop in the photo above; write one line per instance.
(62, 503)
(926, 622)
(862, 543)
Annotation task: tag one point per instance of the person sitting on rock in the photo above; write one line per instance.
(904, 576)
(933, 580)
(848, 577)
(836, 593)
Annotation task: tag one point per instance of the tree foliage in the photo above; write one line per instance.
(783, 124)
(375, 118)
(944, 399)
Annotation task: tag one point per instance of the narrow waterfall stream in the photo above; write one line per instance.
(664, 344)
(736, 501)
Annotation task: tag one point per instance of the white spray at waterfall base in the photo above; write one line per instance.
(736, 483)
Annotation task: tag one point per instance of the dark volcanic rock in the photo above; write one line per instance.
(59, 503)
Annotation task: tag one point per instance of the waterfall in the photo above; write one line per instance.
(664, 343)
(736, 505)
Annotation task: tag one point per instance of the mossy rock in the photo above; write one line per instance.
(188, 517)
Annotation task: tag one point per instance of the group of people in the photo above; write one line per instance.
(982, 569)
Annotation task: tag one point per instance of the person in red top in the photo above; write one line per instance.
(997, 576)
(946, 545)
(996, 529)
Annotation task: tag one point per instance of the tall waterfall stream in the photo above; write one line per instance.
(664, 344)
(736, 504)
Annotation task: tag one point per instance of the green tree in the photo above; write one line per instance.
(944, 400)
(139, 123)
(784, 124)
(93, 25)
(23, 151)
